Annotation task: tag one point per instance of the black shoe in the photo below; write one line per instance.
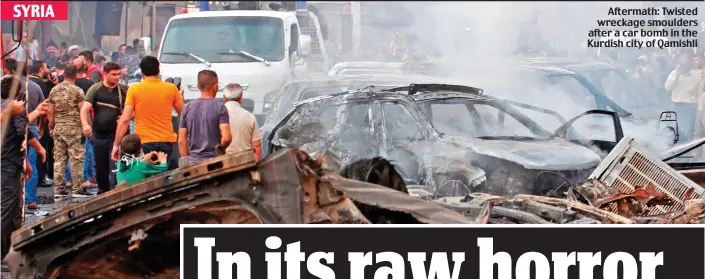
(61, 193)
(83, 193)
(46, 182)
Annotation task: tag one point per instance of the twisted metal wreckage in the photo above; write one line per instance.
(133, 232)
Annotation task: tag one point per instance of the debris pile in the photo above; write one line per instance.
(612, 195)
(616, 208)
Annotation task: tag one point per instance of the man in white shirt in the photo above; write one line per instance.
(686, 86)
(243, 124)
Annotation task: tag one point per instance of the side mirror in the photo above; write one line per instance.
(305, 45)
(145, 46)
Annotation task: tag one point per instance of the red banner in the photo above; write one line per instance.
(34, 10)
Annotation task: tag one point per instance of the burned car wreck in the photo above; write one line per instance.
(490, 158)
(133, 232)
(280, 104)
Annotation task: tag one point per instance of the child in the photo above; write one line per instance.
(132, 169)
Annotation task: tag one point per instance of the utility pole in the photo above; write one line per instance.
(127, 19)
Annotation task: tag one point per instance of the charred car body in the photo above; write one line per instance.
(382, 122)
(279, 105)
(133, 232)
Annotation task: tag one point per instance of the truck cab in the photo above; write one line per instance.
(260, 50)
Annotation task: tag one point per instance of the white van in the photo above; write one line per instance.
(260, 50)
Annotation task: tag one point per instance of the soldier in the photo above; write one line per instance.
(131, 59)
(65, 101)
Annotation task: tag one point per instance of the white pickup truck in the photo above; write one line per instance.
(260, 50)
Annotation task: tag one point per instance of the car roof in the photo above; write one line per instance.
(430, 96)
(240, 13)
(333, 80)
(551, 70)
(355, 95)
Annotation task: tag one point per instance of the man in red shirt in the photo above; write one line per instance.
(94, 72)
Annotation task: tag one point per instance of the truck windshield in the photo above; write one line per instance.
(211, 37)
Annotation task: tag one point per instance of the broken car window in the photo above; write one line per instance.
(310, 123)
(399, 124)
(453, 120)
(494, 126)
(475, 118)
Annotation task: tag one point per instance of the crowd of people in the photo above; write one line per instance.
(75, 132)
(57, 57)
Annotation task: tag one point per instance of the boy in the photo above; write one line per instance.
(132, 169)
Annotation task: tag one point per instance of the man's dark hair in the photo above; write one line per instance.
(51, 43)
(6, 87)
(149, 66)
(70, 71)
(135, 42)
(63, 44)
(206, 78)
(94, 49)
(11, 64)
(100, 59)
(111, 66)
(60, 65)
(131, 144)
(87, 55)
(122, 45)
(36, 67)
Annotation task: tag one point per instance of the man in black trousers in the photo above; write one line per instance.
(107, 99)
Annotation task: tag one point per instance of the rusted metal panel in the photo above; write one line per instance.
(119, 197)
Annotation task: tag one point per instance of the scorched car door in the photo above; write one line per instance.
(403, 138)
(571, 133)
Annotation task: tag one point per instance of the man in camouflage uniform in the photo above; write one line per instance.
(131, 60)
(65, 101)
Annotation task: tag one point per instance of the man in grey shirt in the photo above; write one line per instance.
(204, 122)
(35, 92)
(34, 98)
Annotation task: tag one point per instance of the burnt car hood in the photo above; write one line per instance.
(545, 154)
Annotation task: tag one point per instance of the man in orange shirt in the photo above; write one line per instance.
(150, 102)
